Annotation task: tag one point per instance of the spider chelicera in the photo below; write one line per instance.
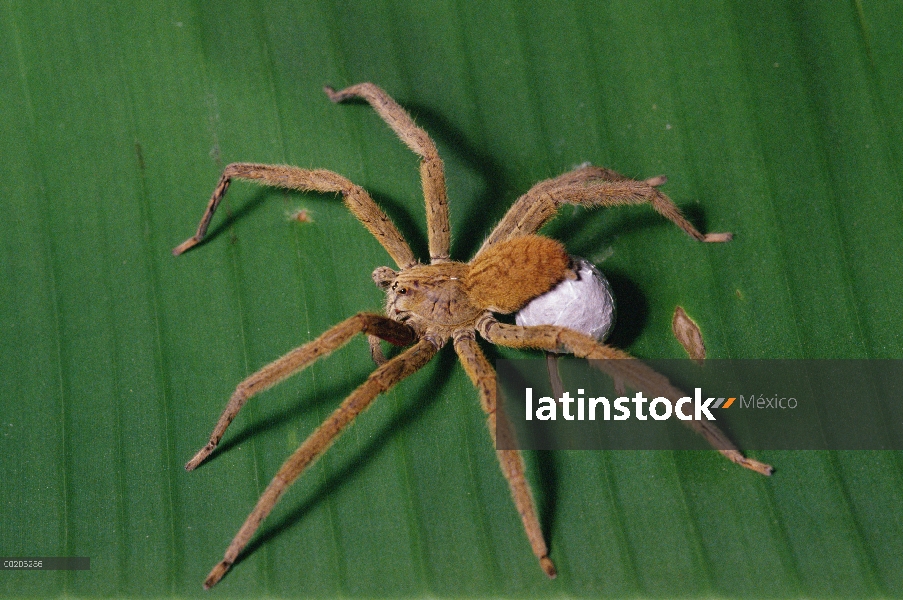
(428, 305)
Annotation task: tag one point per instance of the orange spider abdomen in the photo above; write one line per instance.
(507, 275)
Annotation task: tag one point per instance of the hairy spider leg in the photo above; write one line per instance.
(432, 172)
(634, 372)
(296, 360)
(589, 186)
(511, 462)
(356, 199)
(383, 378)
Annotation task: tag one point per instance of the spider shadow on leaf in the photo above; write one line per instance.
(545, 466)
(282, 417)
(547, 489)
(585, 231)
(632, 310)
(405, 218)
(483, 211)
(245, 208)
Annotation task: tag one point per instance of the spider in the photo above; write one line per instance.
(428, 305)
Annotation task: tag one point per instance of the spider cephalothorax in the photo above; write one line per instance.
(428, 305)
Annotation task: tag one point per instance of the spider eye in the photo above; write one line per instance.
(402, 291)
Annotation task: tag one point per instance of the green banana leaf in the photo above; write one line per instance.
(779, 121)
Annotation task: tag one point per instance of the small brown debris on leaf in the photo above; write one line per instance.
(301, 215)
(688, 334)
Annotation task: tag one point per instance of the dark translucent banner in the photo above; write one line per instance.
(758, 404)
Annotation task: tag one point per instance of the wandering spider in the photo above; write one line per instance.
(429, 304)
